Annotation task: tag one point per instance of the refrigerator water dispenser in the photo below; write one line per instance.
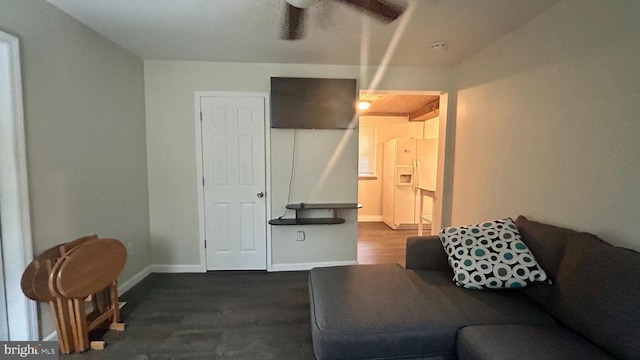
(404, 175)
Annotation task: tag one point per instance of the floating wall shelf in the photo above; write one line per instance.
(303, 209)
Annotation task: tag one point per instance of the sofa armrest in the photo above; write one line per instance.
(426, 253)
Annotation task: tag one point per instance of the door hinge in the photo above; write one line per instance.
(200, 115)
(205, 243)
(203, 181)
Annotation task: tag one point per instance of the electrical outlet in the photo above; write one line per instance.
(299, 235)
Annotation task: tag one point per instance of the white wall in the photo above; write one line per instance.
(170, 87)
(547, 123)
(85, 133)
(325, 171)
(431, 128)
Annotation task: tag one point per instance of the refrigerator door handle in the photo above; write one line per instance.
(416, 174)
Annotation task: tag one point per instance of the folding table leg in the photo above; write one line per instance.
(81, 331)
(63, 327)
(113, 293)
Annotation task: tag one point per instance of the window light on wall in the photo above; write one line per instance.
(367, 151)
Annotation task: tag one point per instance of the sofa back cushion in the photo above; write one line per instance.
(546, 243)
(597, 293)
(595, 287)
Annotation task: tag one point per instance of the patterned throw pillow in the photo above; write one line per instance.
(490, 255)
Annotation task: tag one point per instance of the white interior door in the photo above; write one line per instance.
(233, 156)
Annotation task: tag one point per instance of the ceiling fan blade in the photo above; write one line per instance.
(386, 11)
(293, 28)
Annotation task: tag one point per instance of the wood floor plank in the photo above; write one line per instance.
(379, 244)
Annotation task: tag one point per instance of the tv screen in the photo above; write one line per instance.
(313, 103)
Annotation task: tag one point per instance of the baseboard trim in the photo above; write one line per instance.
(309, 266)
(125, 286)
(176, 268)
(369, 218)
(51, 337)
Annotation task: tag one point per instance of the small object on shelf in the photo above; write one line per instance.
(304, 207)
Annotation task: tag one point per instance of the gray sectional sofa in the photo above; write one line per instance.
(591, 310)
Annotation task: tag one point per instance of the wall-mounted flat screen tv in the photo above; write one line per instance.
(313, 103)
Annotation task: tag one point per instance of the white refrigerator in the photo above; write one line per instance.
(407, 165)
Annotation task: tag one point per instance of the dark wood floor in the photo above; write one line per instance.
(230, 315)
(378, 243)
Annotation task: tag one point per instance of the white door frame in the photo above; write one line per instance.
(446, 146)
(200, 170)
(14, 190)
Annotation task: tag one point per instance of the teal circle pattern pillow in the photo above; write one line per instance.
(490, 255)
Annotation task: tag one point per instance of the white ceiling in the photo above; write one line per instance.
(249, 30)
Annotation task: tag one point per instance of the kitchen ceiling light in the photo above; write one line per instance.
(364, 104)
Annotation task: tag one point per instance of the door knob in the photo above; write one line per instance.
(260, 194)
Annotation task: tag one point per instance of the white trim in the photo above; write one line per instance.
(127, 285)
(200, 171)
(166, 268)
(369, 218)
(309, 266)
(442, 200)
(267, 164)
(199, 187)
(16, 222)
(51, 337)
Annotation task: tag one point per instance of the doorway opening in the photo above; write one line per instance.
(401, 157)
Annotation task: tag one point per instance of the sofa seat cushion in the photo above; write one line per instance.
(522, 342)
(381, 312)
